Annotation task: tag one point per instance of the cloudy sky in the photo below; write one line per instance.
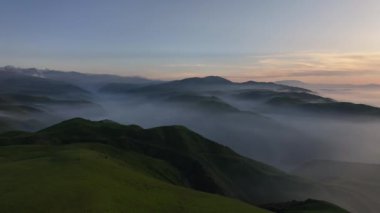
(268, 40)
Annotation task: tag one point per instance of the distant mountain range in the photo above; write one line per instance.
(297, 83)
(266, 97)
(357, 93)
(279, 125)
(31, 99)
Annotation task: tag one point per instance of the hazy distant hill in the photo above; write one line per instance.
(211, 105)
(85, 80)
(296, 83)
(29, 100)
(206, 84)
(226, 111)
(360, 178)
(41, 86)
(263, 97)
(356, 93)
(330, 170)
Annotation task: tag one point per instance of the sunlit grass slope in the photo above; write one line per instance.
(97, 178)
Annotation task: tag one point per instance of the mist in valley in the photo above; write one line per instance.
(285, 138)
(262, 121)
(357, 93)
(282, 140)
(286, 141)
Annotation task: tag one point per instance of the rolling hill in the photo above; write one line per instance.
(204, 165)
(248, 116)
(172, 154)
(97, 178)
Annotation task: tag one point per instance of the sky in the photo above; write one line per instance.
(324, 41)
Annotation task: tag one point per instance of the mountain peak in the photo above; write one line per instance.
(207, 80)
(291, 82)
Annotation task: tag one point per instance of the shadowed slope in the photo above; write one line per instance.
(307, 206)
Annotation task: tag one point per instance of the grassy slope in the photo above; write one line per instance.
(204, 165)
(184, 158)
(97, 178)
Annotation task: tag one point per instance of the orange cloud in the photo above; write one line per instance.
(314, 67)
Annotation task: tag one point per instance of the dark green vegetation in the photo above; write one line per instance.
(307, 206)
(104, 166)
(97, 178)
(78, 166)
(201, 163)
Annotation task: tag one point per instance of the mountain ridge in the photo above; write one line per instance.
(201, 163)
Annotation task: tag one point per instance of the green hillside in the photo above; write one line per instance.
(105, 166)
(202, 164)
(97, 178)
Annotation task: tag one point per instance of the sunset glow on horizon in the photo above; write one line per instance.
(326, 41)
